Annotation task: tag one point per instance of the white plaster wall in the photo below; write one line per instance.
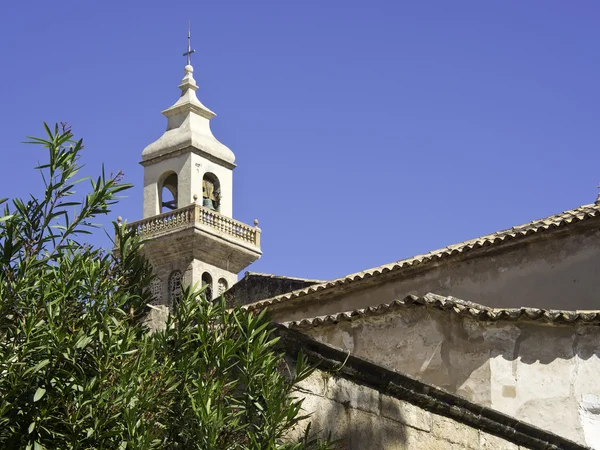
(558, 273)
(181, 165)
(190, 169)
(542, 374)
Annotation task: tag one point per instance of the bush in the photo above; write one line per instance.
(78, 368)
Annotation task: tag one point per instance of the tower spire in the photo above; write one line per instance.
(189, 52)
(188, 125)
(188, 171)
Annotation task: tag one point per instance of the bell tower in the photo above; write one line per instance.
(188, 230)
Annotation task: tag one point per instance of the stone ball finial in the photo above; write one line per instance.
(597, 202)
(255, 222)
(119, 220)
(195, 197)
(188, 69)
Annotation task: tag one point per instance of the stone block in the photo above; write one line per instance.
(422, 440)
(156, 318)
(315, 384)
(354, 395)
(456, 432)
(491, 442)
(326, 416)
(405, 413)
(369, 431)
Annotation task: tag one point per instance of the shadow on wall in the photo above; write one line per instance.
(544, 344)
(518, 367)
(454, 351)
(355, 416)
(368, 406)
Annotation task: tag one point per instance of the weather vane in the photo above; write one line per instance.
(189, 49)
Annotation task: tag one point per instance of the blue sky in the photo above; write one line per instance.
(365, 132)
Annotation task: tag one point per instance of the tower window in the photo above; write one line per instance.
(168, 193)
(211, 192)
(207, 281)
(175, 290)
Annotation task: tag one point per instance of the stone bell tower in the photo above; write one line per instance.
(189, 234)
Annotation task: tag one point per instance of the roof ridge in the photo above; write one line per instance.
(499, 237)
(454, 305)
(271, 275)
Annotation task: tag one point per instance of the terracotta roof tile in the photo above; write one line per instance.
(455, 306)
(561, 220)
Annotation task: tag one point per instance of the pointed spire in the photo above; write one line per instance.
(188, 99)
(189, 124)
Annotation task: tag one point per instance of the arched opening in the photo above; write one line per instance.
(207, 281)
(222, 286)
(168, 193)
(211, 192)
(175, 290)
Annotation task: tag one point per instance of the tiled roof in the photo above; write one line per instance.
(280, 277)
(456, 306)
(551, 223)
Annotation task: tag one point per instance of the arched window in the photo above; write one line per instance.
(222, 286)
(207, 281)
(175, 290)
(168, 193)
(211, 192)
(156, 287)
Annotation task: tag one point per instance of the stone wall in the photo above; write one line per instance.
(257, 286)
(363, 418)
(367, 406)
(540, 373)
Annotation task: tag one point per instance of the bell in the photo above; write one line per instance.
(208, 203)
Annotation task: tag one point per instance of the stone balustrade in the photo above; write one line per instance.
(192, 215)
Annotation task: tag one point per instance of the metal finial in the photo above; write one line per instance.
(189, 48)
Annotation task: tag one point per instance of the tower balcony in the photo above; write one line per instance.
(201, 232)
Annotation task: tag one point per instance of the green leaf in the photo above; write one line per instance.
(83, 341)
(38, 366)
(39, 394)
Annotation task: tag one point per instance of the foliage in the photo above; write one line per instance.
(78, 368)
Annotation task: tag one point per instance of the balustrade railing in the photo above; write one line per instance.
(192, 214)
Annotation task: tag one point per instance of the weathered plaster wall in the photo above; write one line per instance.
(363, 418)
(546, 375)
(557, 273)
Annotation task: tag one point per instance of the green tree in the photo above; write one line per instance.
(78, 368)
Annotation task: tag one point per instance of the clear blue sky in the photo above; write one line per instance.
(365, 132)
